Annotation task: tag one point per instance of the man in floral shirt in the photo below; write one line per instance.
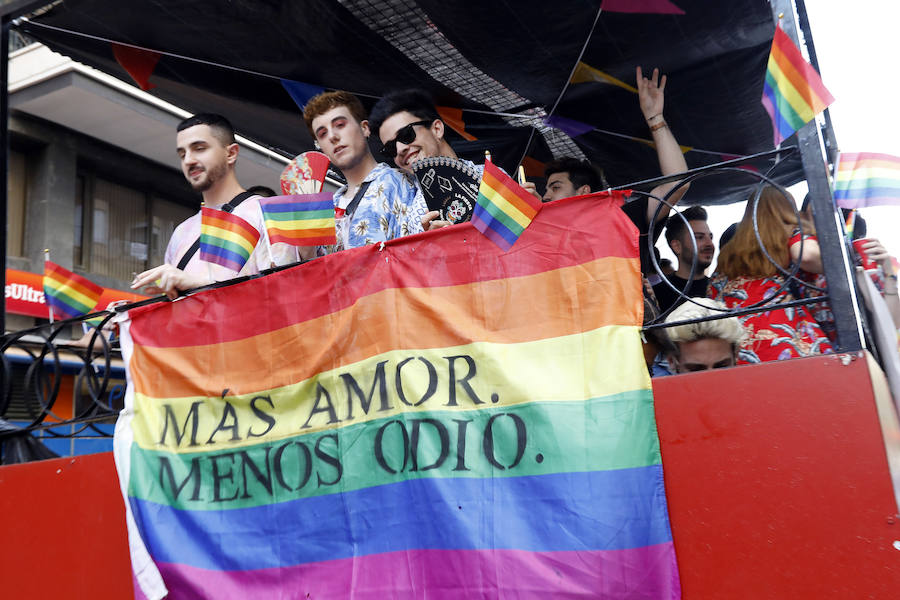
(376, 205)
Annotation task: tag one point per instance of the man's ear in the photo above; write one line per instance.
(364, 125)
(231, 153)
(438, 129)
(585, 189)
(675, 245)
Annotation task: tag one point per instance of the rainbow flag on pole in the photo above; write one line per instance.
(867, 179)
(504, 209)
(401, 430)
(793, 93)
(67, 294)
(300, 220)
(226, 239)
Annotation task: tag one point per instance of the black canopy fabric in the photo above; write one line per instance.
(506, 64)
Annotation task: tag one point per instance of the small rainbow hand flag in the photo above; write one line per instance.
(504, 209)
(867, 179)
(69, 295)
(793, 93)
(300, 220)
(226, 239)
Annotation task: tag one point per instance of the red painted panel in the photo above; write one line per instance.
(62, 525)
(778, 483)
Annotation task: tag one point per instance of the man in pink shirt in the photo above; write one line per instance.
(208, 153)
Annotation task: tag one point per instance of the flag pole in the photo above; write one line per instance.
(46, 260)
(208, 265)
(265, 235)
(521, 175)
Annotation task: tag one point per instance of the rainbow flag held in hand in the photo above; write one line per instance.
(867, 179)
(226, 239)
(301, 219)
(793, 93)
(504, 209)
(411, 425)
(69, 295)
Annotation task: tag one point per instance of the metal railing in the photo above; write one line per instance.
(43, 359)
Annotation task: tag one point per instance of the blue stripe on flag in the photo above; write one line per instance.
(604, 510)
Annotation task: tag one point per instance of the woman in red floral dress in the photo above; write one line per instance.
(745, 276)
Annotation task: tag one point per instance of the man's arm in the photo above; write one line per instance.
(651, 93)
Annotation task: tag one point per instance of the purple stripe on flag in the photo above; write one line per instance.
(226, 261)
(781, 129)
(646, 572)
(865, 202)
(487, 224)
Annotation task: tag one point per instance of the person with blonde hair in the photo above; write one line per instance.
(703, 345)
(746, 276)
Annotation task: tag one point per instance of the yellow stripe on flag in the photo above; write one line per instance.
(540, 370)
(299, 224)
(790, 93)
(229, 236)
(58, 286)
(503, 204)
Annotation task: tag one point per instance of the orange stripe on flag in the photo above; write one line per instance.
(170, 376)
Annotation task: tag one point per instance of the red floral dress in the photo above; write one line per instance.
(776, 334)
(821, 311)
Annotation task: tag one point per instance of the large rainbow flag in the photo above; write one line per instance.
(226, 239)
(68, 294)
(300, 219)
(867, 179)
(793, 92)
(369, 425)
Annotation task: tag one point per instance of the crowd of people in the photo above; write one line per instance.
(381, 200)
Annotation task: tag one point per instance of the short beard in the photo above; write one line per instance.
(213, 175)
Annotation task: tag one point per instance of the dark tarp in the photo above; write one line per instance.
(510, 57)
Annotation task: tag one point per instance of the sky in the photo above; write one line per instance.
(856, 44)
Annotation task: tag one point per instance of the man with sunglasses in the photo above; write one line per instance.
(376, 205)
(410, 129)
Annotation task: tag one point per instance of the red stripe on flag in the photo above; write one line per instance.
(383, 269)
(805, 79)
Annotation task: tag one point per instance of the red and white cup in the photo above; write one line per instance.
(871, 267)
(866, 262)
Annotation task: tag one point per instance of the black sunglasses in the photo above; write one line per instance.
(405, 135)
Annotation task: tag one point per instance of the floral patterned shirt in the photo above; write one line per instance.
(386, 210)
(776, 334)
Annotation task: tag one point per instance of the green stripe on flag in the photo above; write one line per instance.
(299, 215)
(498, 214)
(613, 432)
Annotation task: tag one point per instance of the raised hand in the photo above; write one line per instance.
(651, 93)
